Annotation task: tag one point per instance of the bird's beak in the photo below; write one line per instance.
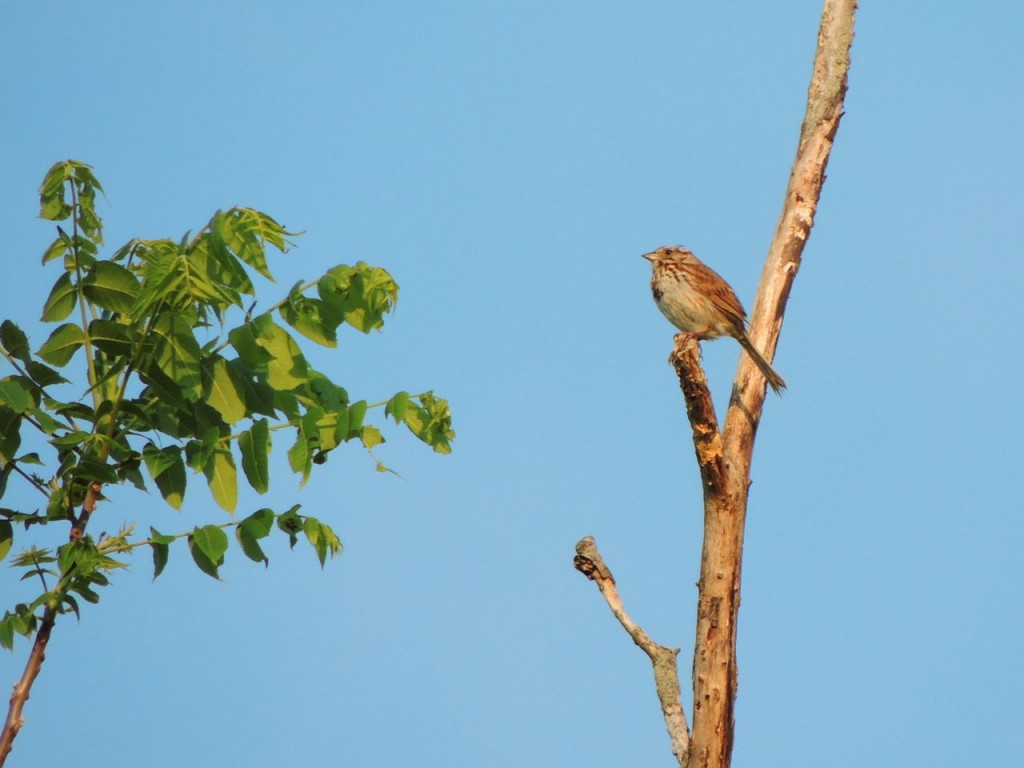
(649, 256)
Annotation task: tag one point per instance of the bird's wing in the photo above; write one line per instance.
(721, 295)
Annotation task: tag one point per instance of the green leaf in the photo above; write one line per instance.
(15, 396)
(312, 318)
(255, 527)
(159, 542)
(81, 254)
(314, 437)
(247, 233)
(177, 353)
(6, 538)
(14, 341)
(201, 289)
(160, 460)
(310, 426)
(111, 286)
(82, 173)
(47, 424)
(286, 368)
(61, 301)
(167, 469)
(257, 394)
(70, 439)
(255, 446)
(71, 603)
(299, 457)
(83, 589)
(72, 410)
(161, 552)
(362, 294)
(371, 436)
(356, 414)
(431, 422)
(128, 472)
(164, 388)
(58, 508)
(287, 403)
(291, 523)
(223, 267)
(198, 452)
(54, 208)
(81, 554)
(244, 339)
(212, 541)
(62, 345)
(52, 205)
(261, 522)
(207, 540)
(329, 395)
(323, 539)
(250, 546)
(126, 251)
(110, 337)
(23, 618)
(204, 563)
(95, 471)
(43, 375)
(54, 180)
(341, 426)
(58, 248)
(397, 407)
(218, 282)
(160, 538)
(222, 477)
(326, 434)
(222, 392)
(162, 279)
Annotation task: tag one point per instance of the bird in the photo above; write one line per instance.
(699, 302)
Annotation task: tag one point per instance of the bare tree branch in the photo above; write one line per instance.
(36, 657)
(589, 562)
(724, 457)
(824, 109)
(700, 409)
(22, 688)
(715, 674)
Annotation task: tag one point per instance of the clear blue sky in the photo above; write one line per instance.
(509, 162)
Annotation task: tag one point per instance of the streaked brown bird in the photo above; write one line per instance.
(697, 301)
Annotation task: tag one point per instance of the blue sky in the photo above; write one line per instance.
(508, 163)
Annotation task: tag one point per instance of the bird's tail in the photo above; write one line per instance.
(774, 380)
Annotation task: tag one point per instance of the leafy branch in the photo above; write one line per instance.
(83, 564)
(174, 375)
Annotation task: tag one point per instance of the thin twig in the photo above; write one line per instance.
(589, 562)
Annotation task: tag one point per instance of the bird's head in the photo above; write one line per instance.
(668, 253)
